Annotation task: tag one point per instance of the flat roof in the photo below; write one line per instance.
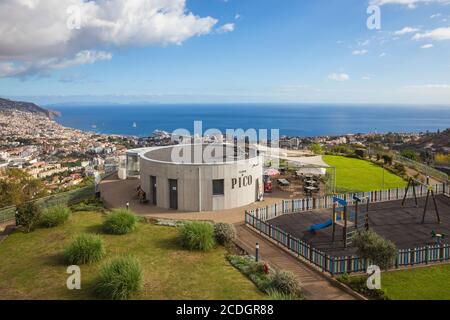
(200, 154)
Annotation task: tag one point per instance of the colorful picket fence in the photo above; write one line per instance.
(307, 204)
(258, 219)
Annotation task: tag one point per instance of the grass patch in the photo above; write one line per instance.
(429, 283)
(85, 248)
(355, 175)
(31, 268)
(55, 216)
(120, 221)
(119, 278)
(197, 235)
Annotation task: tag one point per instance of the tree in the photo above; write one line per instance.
(28, 216)
(375, 248)
(387, 159)
(316, 148)
(361, 153)
(17, 187)
(410, 154)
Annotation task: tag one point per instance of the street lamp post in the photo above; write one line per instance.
(257, 252)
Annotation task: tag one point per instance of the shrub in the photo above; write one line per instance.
(277, 295)
(28, 216)
(224, 233)
(120, 221)
(375, 248)
(197, 235)
(361, 153)
(119, 278)
(55, 216)
(359, 284)
(91, 204)
(85, 248)
(249, 267)
(285, 282)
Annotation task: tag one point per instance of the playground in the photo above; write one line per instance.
(402, 223)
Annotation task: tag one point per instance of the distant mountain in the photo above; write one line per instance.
(6, 104)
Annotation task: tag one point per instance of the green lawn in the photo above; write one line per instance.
(360, 175)
(32, 267)
(431, 283)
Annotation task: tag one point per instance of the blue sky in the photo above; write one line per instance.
(298, 51)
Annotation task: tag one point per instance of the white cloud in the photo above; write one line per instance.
(411, 4)
(427, 46)
(405, 30)
(439, 34)
(237, 16)
(34, 32)
(436, 15)
(363, 43)
(338, 77)
(360, 52)
(366, 77)
(293, 88)
(228, 27)
(43, 67)
(382, 55)
(429, 86)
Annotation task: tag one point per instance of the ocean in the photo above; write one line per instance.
(292, 120)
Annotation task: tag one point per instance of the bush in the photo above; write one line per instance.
(375, 248)
(55, 216)
(361, 153)
(197, 235)
(91, 204)
(119, 278)
(280, 285)
(120, 221)
(224, 233)
(28, 216)
(277, 295)
(285, 282)
(249, 267)
(359, 284)
(85, 248)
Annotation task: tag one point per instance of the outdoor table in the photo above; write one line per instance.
(283, 182)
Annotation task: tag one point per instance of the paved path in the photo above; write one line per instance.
(6, 231)
(315, 286)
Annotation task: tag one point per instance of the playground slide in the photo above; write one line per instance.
(320, 226)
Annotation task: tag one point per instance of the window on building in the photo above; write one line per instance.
(218, 187)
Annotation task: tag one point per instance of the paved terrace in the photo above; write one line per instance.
(116, 193)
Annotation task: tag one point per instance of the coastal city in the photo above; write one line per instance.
(64, 158)
(224, 158)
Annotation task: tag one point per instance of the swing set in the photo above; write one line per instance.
(430, 192)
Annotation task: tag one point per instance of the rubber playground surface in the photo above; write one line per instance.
(401, 225)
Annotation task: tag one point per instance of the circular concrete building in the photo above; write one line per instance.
(198, 177)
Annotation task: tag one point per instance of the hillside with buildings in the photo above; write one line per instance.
(10, 105)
